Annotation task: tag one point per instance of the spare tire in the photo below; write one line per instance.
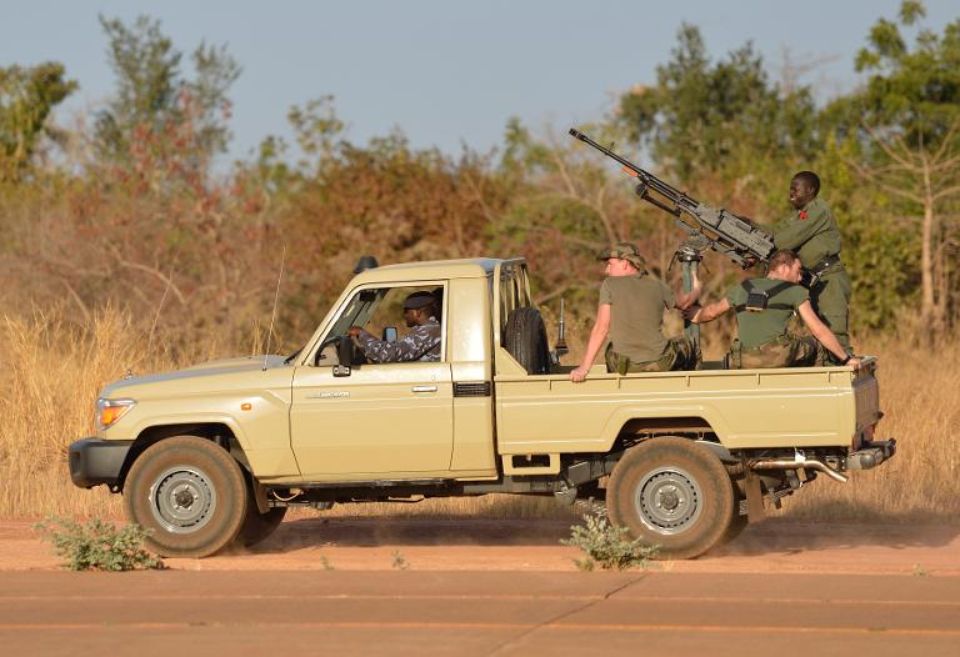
(525, 337)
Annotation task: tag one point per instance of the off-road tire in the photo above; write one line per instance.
(257, 527)
(190, 494)
(674, 494)
(525, 337)
(737, 522)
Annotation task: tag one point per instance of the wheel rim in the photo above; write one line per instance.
(668, 500)
(183, 500)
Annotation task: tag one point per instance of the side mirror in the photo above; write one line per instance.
(390, 334)
(344, 356)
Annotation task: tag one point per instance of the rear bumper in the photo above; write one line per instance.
(94, 461)
(871, 454)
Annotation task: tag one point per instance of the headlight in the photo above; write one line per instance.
(111, 410)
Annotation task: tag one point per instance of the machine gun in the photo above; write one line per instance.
(707, 227)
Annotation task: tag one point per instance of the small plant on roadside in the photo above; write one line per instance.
(326, 563)
(99, 545)
(399, 561)
(607, 545)
(919, 571)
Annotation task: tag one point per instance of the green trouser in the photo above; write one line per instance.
(830, 298)
(785, 351)
(679, 354)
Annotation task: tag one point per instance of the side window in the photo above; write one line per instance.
(399, 324)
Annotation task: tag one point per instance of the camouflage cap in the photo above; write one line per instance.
(418, 300)
(624, 251)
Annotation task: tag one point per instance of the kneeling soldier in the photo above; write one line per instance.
(764, 306)
(631, 310)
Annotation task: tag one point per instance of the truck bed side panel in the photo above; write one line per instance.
(745, 409)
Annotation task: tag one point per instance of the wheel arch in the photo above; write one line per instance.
(637, 428)
(218, 432)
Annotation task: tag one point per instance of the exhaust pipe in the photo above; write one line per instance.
(800, 461)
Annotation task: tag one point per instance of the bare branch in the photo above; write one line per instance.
(891, 153)
(878, 180)
(947, 139)
(79, 301)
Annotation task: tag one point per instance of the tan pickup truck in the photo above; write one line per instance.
(216, 453)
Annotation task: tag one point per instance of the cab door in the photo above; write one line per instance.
(386, 419)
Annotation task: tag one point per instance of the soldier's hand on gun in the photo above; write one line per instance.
(855, 362)
(691, 313)
(579, 375)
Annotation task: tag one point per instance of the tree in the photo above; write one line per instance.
(705, 117)
(27, 96)
(154, 98)
(907, 123)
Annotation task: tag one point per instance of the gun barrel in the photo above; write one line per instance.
(609, 153)
(728, 234)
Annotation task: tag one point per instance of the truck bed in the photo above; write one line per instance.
(744, 409)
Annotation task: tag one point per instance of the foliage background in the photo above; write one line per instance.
(125, 245)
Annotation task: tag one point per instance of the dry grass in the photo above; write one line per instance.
(920, 395)
(53, 369)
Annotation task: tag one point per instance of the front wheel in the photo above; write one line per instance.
(257, 527)
(189, 493)
(672, 493)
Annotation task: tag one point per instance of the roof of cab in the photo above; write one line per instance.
(433, 269)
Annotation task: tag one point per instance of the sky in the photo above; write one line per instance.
(445, 72)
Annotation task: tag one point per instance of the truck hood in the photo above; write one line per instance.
(196, 373)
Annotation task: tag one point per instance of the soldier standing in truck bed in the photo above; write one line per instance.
(811, 232)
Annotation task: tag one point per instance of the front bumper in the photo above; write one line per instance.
(94, 461)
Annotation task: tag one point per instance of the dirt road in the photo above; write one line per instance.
(427, 587)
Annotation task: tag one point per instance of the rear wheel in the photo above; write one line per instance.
(189, 493)
(672, 493)
(738, 522)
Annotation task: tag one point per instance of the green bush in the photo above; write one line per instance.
(99, 545)
(607, 545)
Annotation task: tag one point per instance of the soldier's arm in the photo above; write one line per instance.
(412, 346)
(710, 312)
(823, 333)
(597, 337)
(376, 351)
(686, 299)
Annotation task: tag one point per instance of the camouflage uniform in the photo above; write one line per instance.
(680, 353)
(422, 343)
(813, 234)
(763, 338)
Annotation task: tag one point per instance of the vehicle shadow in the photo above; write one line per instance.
(787, 536)
(771, 536)
(372, 532)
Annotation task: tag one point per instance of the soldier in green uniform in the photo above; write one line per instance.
(764, 307)
(631, 310)
(811, 231)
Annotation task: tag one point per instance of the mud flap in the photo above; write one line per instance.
(260, 496)
(751, 487)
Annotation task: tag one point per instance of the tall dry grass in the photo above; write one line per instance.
(53, 368)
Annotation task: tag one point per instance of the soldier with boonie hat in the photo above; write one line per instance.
(632, 303)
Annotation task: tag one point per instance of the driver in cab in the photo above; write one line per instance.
(421, 343)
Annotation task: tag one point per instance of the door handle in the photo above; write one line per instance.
(424, 389)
